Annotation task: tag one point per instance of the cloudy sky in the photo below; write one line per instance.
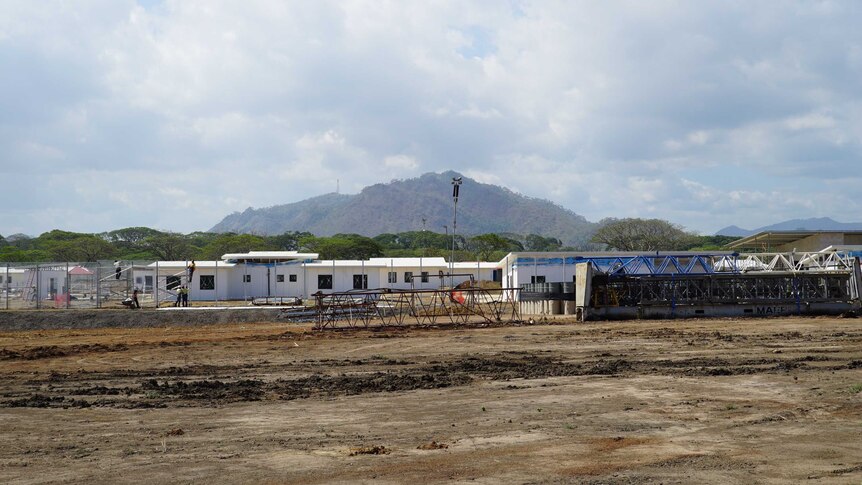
(173, 114)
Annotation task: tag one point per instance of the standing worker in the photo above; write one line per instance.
(179, 296)
(185, 296)
(135, 302)
(191, 269)
(117, 269)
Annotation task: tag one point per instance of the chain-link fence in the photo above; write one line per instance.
(106, 284)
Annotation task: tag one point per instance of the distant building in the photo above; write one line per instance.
(259, 274)
(799, 241)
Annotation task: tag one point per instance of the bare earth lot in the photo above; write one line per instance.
(699, 401)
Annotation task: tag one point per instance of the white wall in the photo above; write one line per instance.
(523, 269)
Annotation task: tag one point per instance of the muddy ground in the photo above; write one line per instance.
(697, 401)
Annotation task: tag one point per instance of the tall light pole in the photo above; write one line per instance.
(456, 187)
(424, 238)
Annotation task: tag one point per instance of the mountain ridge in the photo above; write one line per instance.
(482, 208)
(810, 224)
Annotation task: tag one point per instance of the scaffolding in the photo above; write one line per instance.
(394, 308)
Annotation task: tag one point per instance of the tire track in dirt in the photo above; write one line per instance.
(202, 385)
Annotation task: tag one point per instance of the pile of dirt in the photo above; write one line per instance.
(102, 318)
(432, 446)
(51, 351)
(243, 390)
(370, 450)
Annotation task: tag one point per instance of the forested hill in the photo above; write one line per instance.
(401, 205)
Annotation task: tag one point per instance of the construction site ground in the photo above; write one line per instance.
(774, 400)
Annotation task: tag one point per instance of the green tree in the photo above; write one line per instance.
(169, 246)
(342, 246)
(58, 235)
(487, 244)
(535, 242)
(21, 241)
(388, 241)
(232, 243)
(94, 248)
(711, 243)
(131, 235)
(86, 247)
(642, 235)
(287, 241)
(414, 240)
(12, 254)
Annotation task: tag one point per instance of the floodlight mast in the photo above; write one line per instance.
(456, 188)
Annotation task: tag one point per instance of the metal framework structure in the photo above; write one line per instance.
(391, 308)
(797, 289)
(795, 279)
(720, 263)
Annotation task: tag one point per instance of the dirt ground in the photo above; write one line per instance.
(698, 401)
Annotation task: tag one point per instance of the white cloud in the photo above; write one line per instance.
(694, 112)
(400, 162)
(808, 122)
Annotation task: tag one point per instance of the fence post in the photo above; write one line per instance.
(68, 296)
(156, 285)
(215, 283)
(38, 288)
(129, 279)
(98, 286)
(6, 279)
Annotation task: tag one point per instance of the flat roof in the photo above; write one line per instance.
(776, 238)
(511, 257)
(474, 265)
(183, 264)
(269, 256)
(340, 263)
(411, 262)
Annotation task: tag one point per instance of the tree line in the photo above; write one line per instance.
(143, 243)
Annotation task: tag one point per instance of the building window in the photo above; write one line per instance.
(292, 278)
(279, 278)
(360, 282)
(393, 277)
(207, 282)
(324, 282)
(408, 277)
(246, 278)
(425, 277)
(537, 279)
(172, 282)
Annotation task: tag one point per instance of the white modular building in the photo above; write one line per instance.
(290, 274)
(38, 282)
(12, 278)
